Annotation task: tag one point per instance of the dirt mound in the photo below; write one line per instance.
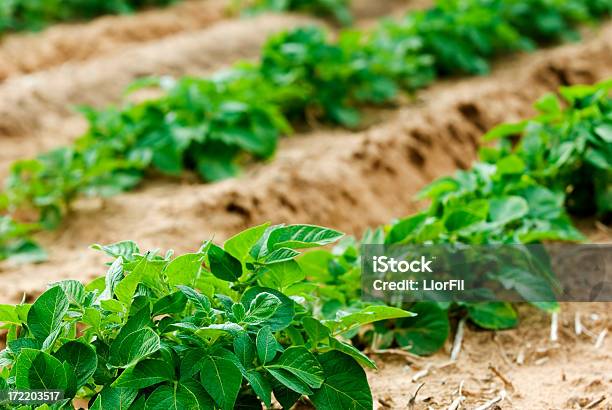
(37, 110)
(25, 53)
(533, 371)
(349, 181)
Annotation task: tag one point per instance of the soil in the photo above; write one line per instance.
(570, 373)
(337, 178)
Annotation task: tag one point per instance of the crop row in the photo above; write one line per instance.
(19, 15)
(339, 10)
(518, 193)
(16, 15)
(211, 125)
(235, 325)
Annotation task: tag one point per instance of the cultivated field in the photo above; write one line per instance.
(348, 179)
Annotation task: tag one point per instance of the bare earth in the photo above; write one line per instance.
(337, 178)
(571, 373)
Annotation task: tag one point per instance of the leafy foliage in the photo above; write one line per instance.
(337, 9)
(212, 125)
(198, 331)
(519, 193)
(16, 15)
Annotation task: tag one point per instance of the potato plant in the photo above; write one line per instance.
(339, 10)
(220, 328)
(518, 193)
(17, 15)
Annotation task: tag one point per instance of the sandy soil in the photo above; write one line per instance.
(570, 373)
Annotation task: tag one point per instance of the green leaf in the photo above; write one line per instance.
(223, 265)
(125, 289)
(493, 315)
(290, 381)
(113, 276)
(267, 346)
(222, 380)
(71, 382)
(46, 314)
(112, 305)
(438, 187)
(505, 130)
(367, 315)
(16, 345)
(8, 314)
(261, 386)
(281, 275)
(201, 302)
(172, 303)
(82, 359)
(135, 341)
(605, 132)
(532, 286)
(316, 263)
(74, 290)
(27, 251)
(315, 330)
(405, 228)
(300, 362)
(548, 104)
(114, 398)
(205, 402)
(184, 269)
(283, 315)
(35, 369)
(352, 351)
(130, 347)
(240, 244)
(425, 333)
(512, 164)
(345, 385)
(281, 255)
(216, 166)
(262, 308)
(144, 374)
(301, 236)
(125, 249)
(244, 349)
(507, 209)
(467, 215)
(285, 396)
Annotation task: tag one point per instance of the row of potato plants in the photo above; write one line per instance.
(211, 125)
(338, 10)
(235, 325)
(520, 192)
(221, 328)
(18, 15)
(22, 15)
